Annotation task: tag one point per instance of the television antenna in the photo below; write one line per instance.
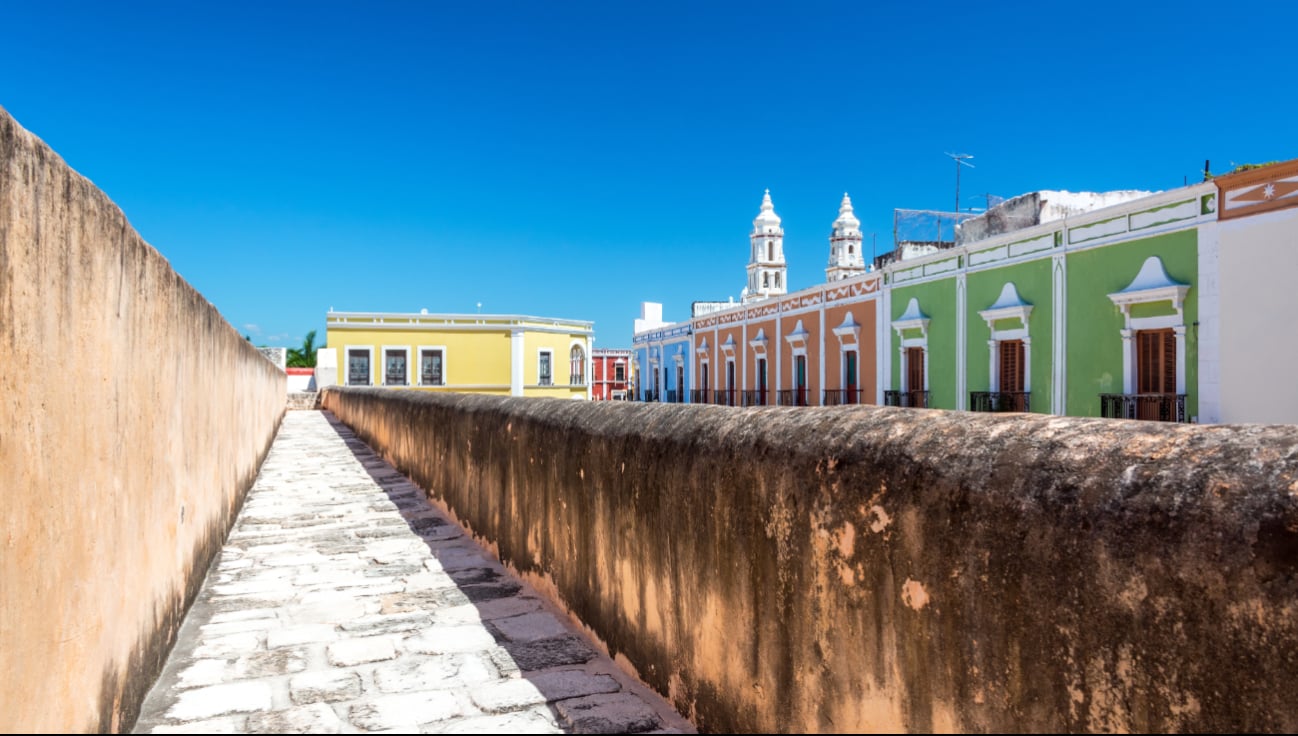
(961, 159)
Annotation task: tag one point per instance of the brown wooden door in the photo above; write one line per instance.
(1011, 366)
(914, 370)
(1155, 371)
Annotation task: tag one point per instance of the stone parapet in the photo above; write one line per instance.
(875, 569)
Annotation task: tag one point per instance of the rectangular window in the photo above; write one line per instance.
(1156, 361)
(800, 380)
(680, 383)
(546, 371)
(431, 368)
(619, 373)
(394, 371)
(761, 381)
(914, 369)
(849, 367)
(358, 368)
(1011, 366)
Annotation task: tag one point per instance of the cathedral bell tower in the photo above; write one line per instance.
(767, 272)
(845, 259)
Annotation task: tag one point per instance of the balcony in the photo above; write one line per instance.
(700, 395)
(1147, 407)
(754, 398)
(674, 396)
(999, 401)
(843, 396)
(909, 399)
(791, 397)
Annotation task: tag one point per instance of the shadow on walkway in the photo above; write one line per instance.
(584, 690)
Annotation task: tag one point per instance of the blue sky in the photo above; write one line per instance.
(574, 159)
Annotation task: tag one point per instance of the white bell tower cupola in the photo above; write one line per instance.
(845, 258)
(767, 272)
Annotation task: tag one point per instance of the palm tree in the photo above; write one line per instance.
(303, 357)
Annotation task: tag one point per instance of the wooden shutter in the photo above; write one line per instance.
(914, 369)
(1156, 361)
(1011, 366)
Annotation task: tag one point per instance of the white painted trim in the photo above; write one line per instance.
(1059, 335)
(758, 344)
(820, 334)
(347, 363)
(419, 367)
(539, 353)
(961, 342)
(728, 347)
(798, 338)
(849, 332)
(883, 337)
(912, 318)
(517, 346)
(383, 372)
(585, 360)
(1209, 327)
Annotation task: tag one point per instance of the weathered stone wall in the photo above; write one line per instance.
(863, 568)
(132, 420)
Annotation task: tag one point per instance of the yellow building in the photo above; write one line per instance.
(478, 353)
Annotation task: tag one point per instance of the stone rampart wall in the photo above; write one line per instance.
(132, 420)
(873, 569)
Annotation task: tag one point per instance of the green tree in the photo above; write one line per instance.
(304, 357)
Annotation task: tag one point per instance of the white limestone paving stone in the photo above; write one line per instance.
(344, 602)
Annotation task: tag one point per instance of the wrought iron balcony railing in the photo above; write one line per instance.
(700, 395)
(841, 396)
(998, 401)
(912, 399)
(791, 397)
(674, 396)
(1149, 407)
(724, 397)
(757, 397)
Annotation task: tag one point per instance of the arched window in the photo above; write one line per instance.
(766, 281)
(851, 249)
(577, 370)
(770, 251)
(777, 281)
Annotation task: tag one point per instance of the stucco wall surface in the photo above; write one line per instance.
(132, 420)
(870, 568)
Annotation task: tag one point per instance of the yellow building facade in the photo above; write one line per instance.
(510, 355)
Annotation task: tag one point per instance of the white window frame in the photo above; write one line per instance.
(912, 318)
(446, 375)
(384, 372)
(539, 353)
(1151, 285)
(585, 358)
(848, 334)
(347, 357)
(1009, 305)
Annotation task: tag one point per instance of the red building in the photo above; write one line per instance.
(612, 374)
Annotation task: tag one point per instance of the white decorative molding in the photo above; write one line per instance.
(1009, 305)
(1152, 284)
(703, 348)
(798, 337)
(728, 347)
(758, 343)
(911, 319)
(848, 333)
(1186, 210)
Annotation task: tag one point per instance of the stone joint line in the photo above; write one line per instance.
(343, 602)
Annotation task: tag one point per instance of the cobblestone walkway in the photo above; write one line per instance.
(343, 602)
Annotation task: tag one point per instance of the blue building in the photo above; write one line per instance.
(662, 356)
